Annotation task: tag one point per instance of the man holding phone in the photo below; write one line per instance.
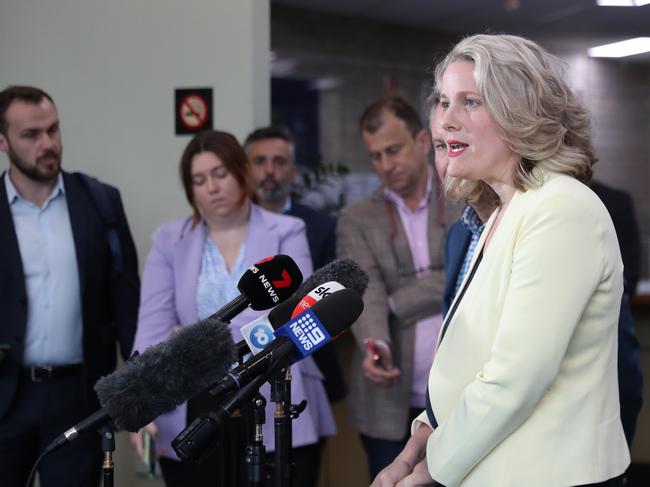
(396, 234)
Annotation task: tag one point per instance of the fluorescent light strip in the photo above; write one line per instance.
(629, 47)
(622, 3)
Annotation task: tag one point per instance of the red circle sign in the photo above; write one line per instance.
(193, 111)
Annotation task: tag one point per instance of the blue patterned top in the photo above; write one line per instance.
(474, 224)
(216, 286)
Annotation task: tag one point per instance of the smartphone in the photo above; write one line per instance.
(374, 351)
(149, 455)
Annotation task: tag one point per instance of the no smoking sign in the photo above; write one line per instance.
(193, 108)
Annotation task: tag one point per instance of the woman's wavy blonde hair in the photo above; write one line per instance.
(538, 116)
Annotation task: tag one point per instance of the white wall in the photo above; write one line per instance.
(112, 66)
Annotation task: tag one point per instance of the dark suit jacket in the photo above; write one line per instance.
(321, 233)
(630, 381)
(456, 245)
(321, 236)
(620, 207)
(109, 305)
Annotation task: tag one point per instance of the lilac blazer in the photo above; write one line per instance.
(168, 299)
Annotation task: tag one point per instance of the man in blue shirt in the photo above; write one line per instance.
(68, 295)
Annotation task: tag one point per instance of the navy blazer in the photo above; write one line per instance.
(321, 236)
(621, 209)
(109, 304)
(321, 233)
(456, 245)
(630, 381)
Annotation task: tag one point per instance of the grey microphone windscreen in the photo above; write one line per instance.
(167, 374)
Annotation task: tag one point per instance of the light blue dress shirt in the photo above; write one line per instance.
(54, 323)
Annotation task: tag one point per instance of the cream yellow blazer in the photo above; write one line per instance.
(524, 384)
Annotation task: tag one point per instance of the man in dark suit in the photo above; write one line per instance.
(630, 381)
(68, 295)
(620, 207)
(396, 235)
(271, 153)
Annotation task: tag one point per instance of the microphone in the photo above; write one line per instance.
(160, 378)
(263, 285)
(307, 332)
(259, 333)
(346, 272)
(167, 374)
(299, 337)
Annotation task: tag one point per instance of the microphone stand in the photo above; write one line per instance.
(108, 447)
(255, 452)
(281, 395)
(200, 436)
(204, 431)
(285, 413)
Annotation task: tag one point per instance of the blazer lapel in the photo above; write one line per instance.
(478, 251)
(396, 236)
(261, 241)
(436, 232)
(188, 253)
(9, 248)
(462, 244)
(77, 207)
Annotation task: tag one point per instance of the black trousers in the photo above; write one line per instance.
(41, 412)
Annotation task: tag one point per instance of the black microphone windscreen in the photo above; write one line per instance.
(167, 374)
(339, 310)
(270, 281)
(344, 271)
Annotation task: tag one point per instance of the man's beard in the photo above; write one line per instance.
(36, 172)
(275, 194)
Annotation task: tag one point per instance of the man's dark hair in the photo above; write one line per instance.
(372, 118)
(270, 132)
(27, 94)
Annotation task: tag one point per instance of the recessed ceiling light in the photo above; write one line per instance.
(630, 47)
(622, 3)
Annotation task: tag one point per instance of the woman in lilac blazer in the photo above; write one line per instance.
(192, 270)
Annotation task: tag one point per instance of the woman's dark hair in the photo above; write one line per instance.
(230, 153)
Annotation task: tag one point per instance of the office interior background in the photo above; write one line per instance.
(112, 68)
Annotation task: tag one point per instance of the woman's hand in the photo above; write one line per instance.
(420, 477)
(405, 465)
(137, 439)
(394, 473)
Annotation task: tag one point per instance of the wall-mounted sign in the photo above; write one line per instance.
(193, 108)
